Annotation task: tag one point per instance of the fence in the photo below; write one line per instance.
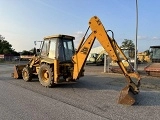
(15, 58)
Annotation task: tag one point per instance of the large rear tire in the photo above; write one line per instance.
(46, 75)
(27, 74)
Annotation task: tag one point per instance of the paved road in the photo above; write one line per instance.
(93, 97)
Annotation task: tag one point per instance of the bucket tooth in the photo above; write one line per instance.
(126, 96)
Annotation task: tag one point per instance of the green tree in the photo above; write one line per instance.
(6, 47)
(127, 44)
(25, 52)
(33, 51)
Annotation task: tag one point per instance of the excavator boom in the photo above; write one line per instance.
(111, 47)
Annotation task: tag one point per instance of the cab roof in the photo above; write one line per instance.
(59, 36)
(155, 46)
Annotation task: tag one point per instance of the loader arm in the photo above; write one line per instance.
(111, 47)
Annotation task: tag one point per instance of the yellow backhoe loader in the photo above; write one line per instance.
(58, 61)
(96, 58)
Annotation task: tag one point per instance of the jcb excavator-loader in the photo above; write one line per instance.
(58, 61)
(96, 58)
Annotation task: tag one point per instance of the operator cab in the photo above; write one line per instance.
(59, 47)
(155, 53)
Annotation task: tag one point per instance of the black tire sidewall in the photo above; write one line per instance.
(29, 74)
(48, 83)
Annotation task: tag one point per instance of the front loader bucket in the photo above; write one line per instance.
(17, 73)
(126, 96)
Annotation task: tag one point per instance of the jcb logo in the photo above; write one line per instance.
(84, 50)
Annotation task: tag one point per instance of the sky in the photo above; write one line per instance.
(24, 21)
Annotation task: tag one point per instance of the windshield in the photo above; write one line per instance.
(155, 53)
(49, 48)
(45, 48)
(66, 50)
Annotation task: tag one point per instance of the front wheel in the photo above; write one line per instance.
(27, 74)
(46, 75)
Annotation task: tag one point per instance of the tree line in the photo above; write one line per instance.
(6, 48)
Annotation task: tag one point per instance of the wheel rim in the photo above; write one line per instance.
(25, 74)
(45, 75)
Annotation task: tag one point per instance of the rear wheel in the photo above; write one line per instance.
(27, 74)
(46, 75)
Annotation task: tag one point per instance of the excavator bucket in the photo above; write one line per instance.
(126, 96)
(17, 73)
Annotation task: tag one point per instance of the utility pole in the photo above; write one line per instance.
(135, 61)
